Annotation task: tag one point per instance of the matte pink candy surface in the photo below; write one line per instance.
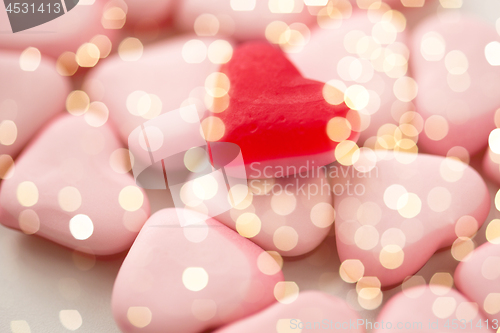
(311, 311)
(457, 74)
(165, 77)
(28, 99)
(395, 213)
(243, 20)
(290, 215)
(331, 54)
(66, 33)
(71, 186)
(190, 275)
(478, 278)
(430, 309)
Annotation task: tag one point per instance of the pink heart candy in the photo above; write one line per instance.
(71, 186)
(478, 277)
(394, 210)
(310, 311)
(187, 272)
(31, 92)
(332, 56)
(430, 309)
(290, 215)
(241, 19)
(167, 75)
(67, 32)
(453, 62)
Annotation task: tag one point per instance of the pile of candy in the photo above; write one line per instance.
(284, 131)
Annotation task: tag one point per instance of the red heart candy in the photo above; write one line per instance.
(278, 118)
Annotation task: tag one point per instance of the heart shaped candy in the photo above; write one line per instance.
(290, 215)
(454, 63)
(168, 75)
(71, 186)
(310, 311)
(280, 120)
(430, 309)
(241, 19)
(187, 272)
(478, 277)
(30, 94)
(394, 210)
(368, 81)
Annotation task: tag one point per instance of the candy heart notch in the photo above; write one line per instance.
(478, 277)
(394, 210)
(72, 186)
(290, 215)
(187, 272)
(310, 311)
(430, 309)
(280, 120)
(379, 90)
(30, 94)
(455, 66)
